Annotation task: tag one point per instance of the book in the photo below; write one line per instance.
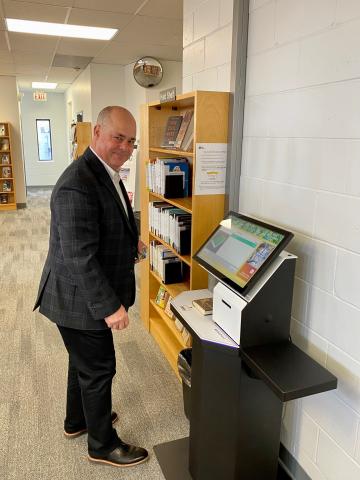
(171, 131)
(168, 311)
(203, 305)
(189, 136)
(179, 325)
(184, 127)
(186, 336)
(161, 297)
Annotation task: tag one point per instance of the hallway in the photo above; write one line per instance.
(146, 394)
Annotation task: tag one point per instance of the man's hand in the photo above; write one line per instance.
(118, 320)
(142, 251)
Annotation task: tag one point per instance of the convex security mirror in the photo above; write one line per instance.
(148, 72)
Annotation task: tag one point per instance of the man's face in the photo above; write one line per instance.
(114, 141)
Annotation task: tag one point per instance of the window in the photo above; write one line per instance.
(44, 140)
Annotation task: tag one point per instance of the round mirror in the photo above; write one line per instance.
(148, 72)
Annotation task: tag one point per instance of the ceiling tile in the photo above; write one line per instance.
(79, 16)
(25, 42)
(7, 69)
(62, 75)
(71, 61)
(31, 69)
(125, 54)
(158, 31)
(6, 57)
(82, 47)
(124, 6)
(3, 43)
(60, 3)
(31, 78)
(34, 11)
(163, 9)
(39, 58)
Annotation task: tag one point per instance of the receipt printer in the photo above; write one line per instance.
(227, 310)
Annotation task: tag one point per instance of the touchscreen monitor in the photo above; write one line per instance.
(240, 250)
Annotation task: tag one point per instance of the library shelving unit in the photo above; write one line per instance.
(210, 111)
(7, 182)
(81, 139)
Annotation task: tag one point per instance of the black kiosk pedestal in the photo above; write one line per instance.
(238, 387)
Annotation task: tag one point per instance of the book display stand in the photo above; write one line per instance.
(7, 181)
(209, 124)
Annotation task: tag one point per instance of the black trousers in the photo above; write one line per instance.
(92, 365)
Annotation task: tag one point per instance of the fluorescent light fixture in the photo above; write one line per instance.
(59, 29)
(44, 85)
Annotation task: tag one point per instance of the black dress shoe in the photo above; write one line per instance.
(124, 455)
(76, 432)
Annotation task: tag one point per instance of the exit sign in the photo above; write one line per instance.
(40, 96)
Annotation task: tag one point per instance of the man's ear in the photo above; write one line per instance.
(96, 130)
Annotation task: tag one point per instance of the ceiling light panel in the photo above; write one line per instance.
(60, 29)
(44, 85)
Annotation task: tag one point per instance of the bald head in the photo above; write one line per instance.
(106, 114)
(114, 135)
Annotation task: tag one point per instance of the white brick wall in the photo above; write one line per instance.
(301, 169)
(207, 38)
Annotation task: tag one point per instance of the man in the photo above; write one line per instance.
(88, 281)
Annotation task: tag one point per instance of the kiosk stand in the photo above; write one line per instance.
(241, 375)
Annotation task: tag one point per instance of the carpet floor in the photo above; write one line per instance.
(33, 369)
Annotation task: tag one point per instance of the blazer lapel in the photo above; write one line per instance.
(103, 176)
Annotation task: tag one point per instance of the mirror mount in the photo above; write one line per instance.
(148, 72)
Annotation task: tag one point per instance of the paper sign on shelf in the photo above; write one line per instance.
(210, 173)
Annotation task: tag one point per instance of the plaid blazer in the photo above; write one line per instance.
(89, 270)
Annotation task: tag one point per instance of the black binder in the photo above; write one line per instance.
(173, 272)
(174, 186)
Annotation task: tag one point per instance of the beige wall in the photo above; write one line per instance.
(10, 113)
(107, 87)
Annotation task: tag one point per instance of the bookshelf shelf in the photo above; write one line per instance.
(173, 289)
(184, 203)
(210, 113)
(81, 138)
(7, 180)
(169, 323)
(168, 151)
(168, 344)
(185, 258)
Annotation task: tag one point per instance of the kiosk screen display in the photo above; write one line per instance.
(240, 250)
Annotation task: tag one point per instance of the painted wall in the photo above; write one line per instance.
(107, 87)
(10, 113)
(79, 95)
(44, 173)
(207, 39)
(301, 170)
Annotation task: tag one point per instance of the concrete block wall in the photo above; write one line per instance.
(301, 170)
(207, 39)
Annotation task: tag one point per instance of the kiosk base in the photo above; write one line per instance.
(173, 458)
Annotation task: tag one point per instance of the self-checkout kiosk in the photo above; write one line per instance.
(244, 365)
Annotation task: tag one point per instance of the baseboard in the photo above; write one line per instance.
(19, 206)
(291, 465)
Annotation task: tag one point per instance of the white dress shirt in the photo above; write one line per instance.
(115, 177)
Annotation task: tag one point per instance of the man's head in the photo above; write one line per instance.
(114, 136)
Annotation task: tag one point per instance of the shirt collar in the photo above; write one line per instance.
(110, 170)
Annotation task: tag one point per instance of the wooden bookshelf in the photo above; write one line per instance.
(81, 138)
(7, 181)
(210, 126)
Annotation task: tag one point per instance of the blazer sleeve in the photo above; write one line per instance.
(77, 217)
